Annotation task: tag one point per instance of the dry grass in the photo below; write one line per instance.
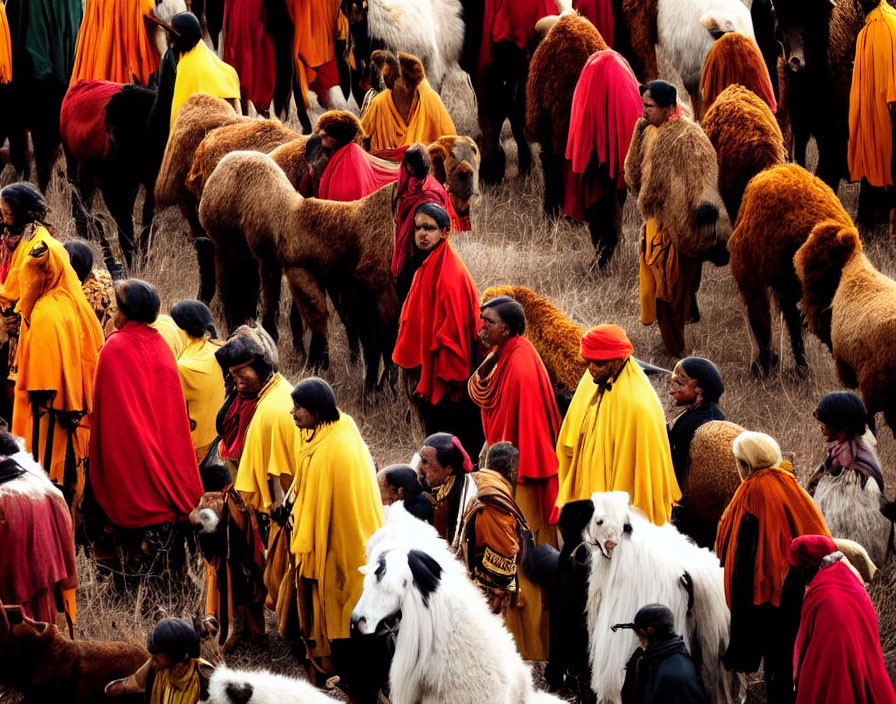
(512, 243)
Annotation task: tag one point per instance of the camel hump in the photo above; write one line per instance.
(712, 476)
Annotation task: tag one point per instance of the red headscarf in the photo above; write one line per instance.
(606, 342)
(350, 175)
(810, 550)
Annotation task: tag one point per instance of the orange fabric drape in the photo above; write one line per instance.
(113, 44)
(428, 121)
(873, 90)
(784, 511)
(5, 47)
(313, 41)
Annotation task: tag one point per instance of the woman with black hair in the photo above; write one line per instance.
(200, 374)
(337, 508)
(175, 674)
(848, 486)
(96, 283)
(443, 468)
(437, 337)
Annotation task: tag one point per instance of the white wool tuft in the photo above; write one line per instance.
(267, 688)
(853, 512)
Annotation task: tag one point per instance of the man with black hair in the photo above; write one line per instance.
(661, 670)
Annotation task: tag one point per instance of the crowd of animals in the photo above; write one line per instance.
(234, 179)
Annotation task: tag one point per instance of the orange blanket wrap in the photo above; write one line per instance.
(113, 44)
(428, 121)
(5, 47)
(873, 91)
(437, 328)
(785, 511)
(59, 345)
(735, 58)
(313, 42)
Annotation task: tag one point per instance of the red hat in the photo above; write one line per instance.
(606, 342)
(810, 550)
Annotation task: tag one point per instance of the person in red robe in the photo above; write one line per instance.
(437, 332)
(249, 48)
(837, 658)
(600, 14)
(143, 470)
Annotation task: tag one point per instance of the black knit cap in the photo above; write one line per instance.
(707, 375)
(189, 31)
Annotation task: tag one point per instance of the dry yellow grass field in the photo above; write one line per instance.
(512, 243)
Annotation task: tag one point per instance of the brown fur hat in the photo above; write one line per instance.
(341, 125)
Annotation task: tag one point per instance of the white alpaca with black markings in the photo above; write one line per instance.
(450, 648)
(635, 563)
(261, 687)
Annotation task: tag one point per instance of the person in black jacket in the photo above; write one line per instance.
(661, 670)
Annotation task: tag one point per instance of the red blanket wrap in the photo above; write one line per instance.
(350, 175)
(250, 49)
(413, 192)
(600, 14)
(82, 120)
(438, 324)
(142, 464)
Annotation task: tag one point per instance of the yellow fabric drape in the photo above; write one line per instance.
(387, 129)
(271, 446)
(617, 441)
(200, 71)
(113, 44)
(338, 508)
(59, 343)
(873, 90)
(313, 44)
(203, 383)
(5, 46)
(174, 337)
(659, 272)
(178, 684)
(9, 289)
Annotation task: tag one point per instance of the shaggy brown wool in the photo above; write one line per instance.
(554, 336)
(863, 313)
(455, 164)
(256, 136)
(198, 116)
(746, 138)
(735, 59)
(788, 201)
(712, 476)
(341, 125)
(680, 175)
(639, 17)
(291, 158)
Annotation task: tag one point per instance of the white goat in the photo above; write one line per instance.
(261, 687)
(635, 563)
(446, 630)
(431, 30)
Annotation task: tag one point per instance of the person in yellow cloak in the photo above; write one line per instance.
(872, 96)
(174, 337)
(408, 111)
(60, 340)
(200, 374)
(614, 435)
(337, 508)
(198, 69)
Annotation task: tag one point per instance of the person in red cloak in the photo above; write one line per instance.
(837, 658)
(250, 49)
(416, 185)
(143, 471)
(600, 14)
(350, 173)
(437, 332)
(605, 107)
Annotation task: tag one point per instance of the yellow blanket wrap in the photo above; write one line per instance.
(202, 380)
(200, 71)
(387, 129)
(5, 47)
(174, 337)
(616, 441)
(338, 507)
(873, 89)
(271, 446)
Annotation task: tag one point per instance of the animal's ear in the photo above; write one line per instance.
(574, 517)
(411, 69)
(427, 573)
(438, 153)
(363, 569)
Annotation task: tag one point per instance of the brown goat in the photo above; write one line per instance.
(249, 207)
(47, 667)
(747, 140)
(787, 201)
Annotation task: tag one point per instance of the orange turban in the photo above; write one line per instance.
(606, 342)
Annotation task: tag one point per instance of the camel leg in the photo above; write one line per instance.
(120, 198)
(271, 278)
(238, 282)
(312, 304)
(205, 250)
(759, 315)
(552, 167)
(146, 218)
(298, 330)
(517, 127)
(83, 189)
(605, 222)
(794, 322)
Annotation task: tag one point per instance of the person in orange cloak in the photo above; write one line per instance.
(314, 49)
(766, 513)
(735, 58)
(437, 332)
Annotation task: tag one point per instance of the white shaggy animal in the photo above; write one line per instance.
(446, 630)
(853, 512)
(261, 687)
(634, 563)
(431, 30)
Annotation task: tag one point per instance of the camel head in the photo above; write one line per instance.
(610, 523)
(455, 163)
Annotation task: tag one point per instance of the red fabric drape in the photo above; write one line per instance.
(600, 14)
(82, 120)
(511, 20)
(250, 49)
(438, 324)
(350, 175)
(605, 107)
(413, 192)
(837, 658)
(142, 465)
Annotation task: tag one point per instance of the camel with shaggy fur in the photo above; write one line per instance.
(249, 207)
(788, 201)
(746, 138)
(735, 60)
(858, 318)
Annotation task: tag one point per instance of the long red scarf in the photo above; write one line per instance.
(438, 323)
(413, 192)
(142, 464)
(250, 49)
(350, 175)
